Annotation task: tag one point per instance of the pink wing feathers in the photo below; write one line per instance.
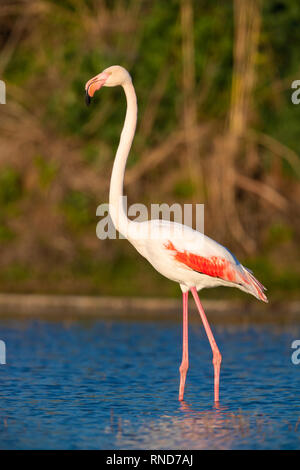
(221, 267)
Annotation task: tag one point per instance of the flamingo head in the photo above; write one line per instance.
(112, 76)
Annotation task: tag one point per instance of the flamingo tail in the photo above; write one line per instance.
(253, 286)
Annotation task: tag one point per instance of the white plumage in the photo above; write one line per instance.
(178, 252)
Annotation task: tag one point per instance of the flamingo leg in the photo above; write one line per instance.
(217, 358)
(185, 346)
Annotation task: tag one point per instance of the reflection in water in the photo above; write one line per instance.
(217, 428)
(112, 385)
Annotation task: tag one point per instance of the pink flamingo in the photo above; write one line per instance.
(178, 252)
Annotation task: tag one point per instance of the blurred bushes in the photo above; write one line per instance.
(10, 187)
(57, 154)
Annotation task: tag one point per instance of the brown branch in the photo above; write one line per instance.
(262, 190)
(277, 148)
(154, 99)
(161, 152)
(13, 40)
(189, 94)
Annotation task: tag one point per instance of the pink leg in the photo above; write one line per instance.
(217, 358)
(185, 347)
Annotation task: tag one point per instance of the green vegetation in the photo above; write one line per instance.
(213, 81)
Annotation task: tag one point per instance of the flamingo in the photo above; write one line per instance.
(178, 252)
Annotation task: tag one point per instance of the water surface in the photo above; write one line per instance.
(114, 385)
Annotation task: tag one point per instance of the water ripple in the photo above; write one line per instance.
(107, 385)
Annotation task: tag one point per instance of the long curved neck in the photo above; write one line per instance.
(116, 208)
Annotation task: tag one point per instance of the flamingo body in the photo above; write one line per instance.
(192, 259)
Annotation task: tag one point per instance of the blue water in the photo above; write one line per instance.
(114, 385)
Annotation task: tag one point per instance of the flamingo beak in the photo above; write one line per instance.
(93, 85)
(87, 98)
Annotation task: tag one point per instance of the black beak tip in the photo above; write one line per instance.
(87, 99)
